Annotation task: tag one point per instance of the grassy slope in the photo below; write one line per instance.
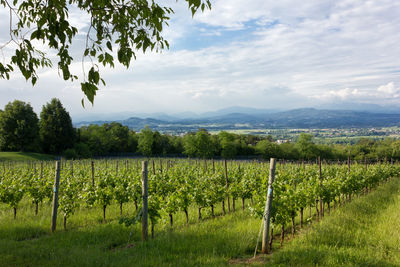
(88, 242)
(364, 233)
(23, 156)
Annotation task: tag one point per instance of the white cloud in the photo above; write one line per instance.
(343, 94)
(387, 92)
(388, 88)
(291, 54)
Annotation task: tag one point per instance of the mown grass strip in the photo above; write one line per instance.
(24, 156)
(366, 232)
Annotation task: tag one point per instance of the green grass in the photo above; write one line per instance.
(364, 232)
(88, 242)
(23, 156)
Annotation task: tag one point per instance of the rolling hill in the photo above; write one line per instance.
(296, 118)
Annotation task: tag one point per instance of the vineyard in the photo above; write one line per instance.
(192, 189)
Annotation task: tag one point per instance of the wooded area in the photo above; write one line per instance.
(53, 133)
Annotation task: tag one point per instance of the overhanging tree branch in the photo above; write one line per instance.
(128, 26)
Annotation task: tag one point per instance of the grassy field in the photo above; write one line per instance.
(23, 156)
(365, 232)
(88, 242)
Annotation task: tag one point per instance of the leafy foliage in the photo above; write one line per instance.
(19, 127)
(55, 128)
(117, 30)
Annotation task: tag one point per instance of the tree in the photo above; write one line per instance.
(132, 141)
(306, 147)
(161, 144)
(55, 128)
(118, 136)
(204, 144)
(124, 26)
(19, 127)
(94, 137)
(228, 145)
(145, 143)
(288, 151)
(189, 144)
(268, 149)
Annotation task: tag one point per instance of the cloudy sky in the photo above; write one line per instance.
(256, 53)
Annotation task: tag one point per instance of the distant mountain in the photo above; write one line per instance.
(297, 118)
(373, 108)
(120, 116)
(315, 118)
(243, 110)
(76, 118)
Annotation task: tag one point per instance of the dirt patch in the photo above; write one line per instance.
(259, 259)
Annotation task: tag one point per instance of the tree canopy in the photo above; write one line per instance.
(117, 28)
(19, 129)
(55, 128)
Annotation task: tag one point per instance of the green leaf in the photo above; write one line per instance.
(89, 90)
(109, 46)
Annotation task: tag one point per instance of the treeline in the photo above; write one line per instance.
(52, 133)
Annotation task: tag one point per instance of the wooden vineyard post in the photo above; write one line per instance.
(55, 197)
(145, 207)
(213, 166)
(92, 172)
(227, 186)
(348, 163)
(349, 168)
(321, 204)
(72, 167)
(41, 170)
(366, 169)
(268, 204)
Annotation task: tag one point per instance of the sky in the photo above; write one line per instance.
(259, 53)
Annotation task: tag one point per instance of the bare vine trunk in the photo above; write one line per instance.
(187, 216)
(293, 224)
(152, 229)
(301, 217)
(271, 238)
